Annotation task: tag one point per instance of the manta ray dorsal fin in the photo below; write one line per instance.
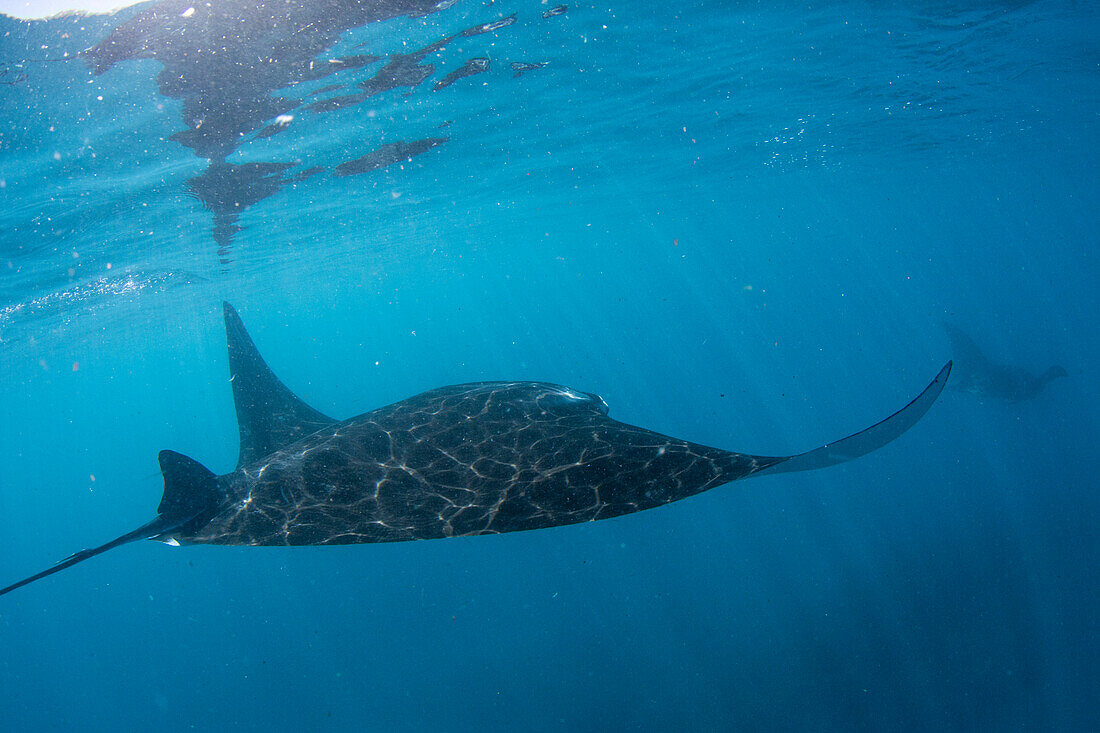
(269, 416)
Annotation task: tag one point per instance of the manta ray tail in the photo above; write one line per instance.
(867, 440)
(191, 496)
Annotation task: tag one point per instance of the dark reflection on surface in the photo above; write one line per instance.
(326, 89)
(407, 71)
(226, 190)
(321, 69)
(387, 155)
(226, 60)
(471, 67)
(521, 67)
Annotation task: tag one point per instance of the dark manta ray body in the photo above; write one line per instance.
(468, 459)
(983, 378)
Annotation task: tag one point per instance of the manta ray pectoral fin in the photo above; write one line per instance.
(269, 416)
(190, 496)
(867, 440)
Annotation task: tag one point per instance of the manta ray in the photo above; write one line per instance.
(982, 377)
(468, 459)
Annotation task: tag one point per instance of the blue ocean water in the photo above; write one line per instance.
(744, 224)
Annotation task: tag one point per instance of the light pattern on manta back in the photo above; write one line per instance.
(467, 459)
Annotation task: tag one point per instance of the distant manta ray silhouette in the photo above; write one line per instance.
(468, 459)
(979, 376)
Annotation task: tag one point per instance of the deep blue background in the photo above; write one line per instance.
(741, 224)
